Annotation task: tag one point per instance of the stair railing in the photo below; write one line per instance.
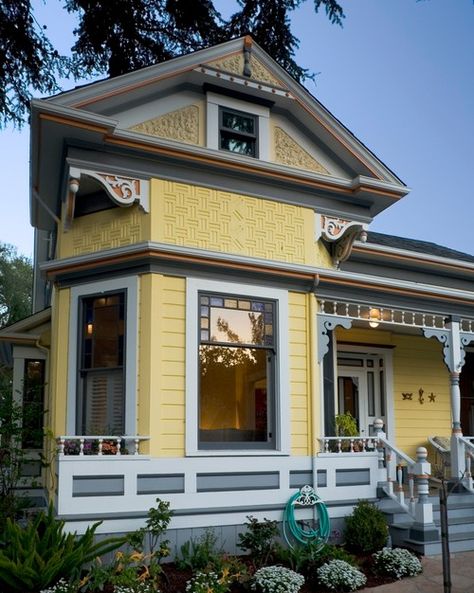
(467, 448)
(392, 463)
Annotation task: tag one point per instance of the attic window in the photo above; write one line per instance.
(238, 132)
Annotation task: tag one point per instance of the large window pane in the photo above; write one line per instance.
(33, 404)
(234, 387)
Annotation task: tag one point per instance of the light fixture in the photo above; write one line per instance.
(374, 317)
(90, 329)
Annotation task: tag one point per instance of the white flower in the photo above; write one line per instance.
(397, 563)
(277, 579)
(338, 574)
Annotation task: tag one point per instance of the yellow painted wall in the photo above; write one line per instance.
(161, 412)
(59, 359)
(204, 218)
(299, 373)
(95, 232)
(417, 363)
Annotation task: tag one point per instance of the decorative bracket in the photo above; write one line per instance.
(340, 234)
(123, 191)
(327, 323)
(453, 356)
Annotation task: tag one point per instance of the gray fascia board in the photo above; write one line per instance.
(431, 291)
(187, 61)
(384, 250)
(352, 184)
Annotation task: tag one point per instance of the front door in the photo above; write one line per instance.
(361, 389)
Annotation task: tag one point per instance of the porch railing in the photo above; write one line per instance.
(354, 444)
(100, 445)
(465, 446)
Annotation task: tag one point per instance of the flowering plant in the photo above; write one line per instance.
(277, 579)
(204, 582)
(339, 575)
(396, 563)
(62, 586)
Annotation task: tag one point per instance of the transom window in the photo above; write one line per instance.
(237, 350)
(238, 131)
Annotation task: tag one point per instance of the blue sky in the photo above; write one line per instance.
(399, 75)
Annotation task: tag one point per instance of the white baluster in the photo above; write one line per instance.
(352, 445)
(339, 445)
(81, 446)
(118, 441)
(100, 446)
(62, 442)
(137, 446)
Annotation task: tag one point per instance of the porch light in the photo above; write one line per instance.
(90, 329)
(374, 317)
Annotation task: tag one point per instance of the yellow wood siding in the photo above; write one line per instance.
(116, 227)
(59, 359)
(162, 364)
(418, 363)
(227, 222)
(299, 373)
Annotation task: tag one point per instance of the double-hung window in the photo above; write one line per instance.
(101, 401)
(238, 132)
(237, 376)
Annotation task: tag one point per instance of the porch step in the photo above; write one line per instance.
(460, 525)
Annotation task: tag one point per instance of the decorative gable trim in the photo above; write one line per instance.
(181, 124)
(289, 152)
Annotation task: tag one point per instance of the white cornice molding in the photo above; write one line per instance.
(330, 274)
(42, 106)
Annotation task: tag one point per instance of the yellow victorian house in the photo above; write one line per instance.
(208, 300)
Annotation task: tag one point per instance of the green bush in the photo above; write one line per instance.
(39, 554)
(199, 554)
(366, 530)
(277, 579)
(259, 540)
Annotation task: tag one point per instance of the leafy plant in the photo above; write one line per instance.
(338, 575)
(345, 425)
(366, 529)
(277, 579)
(38, 555)
(259, 539)
(199, 554)
(148, 537)
(299, 558)
(396, 562)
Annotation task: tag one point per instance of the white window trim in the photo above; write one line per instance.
(214, 101)
(282, 383)
(130, 284)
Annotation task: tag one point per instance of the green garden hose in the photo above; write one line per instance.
(293, 530)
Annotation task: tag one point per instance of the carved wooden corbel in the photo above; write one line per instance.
(340, 233)
(123, 191)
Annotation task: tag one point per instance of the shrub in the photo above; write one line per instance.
(396, 563)
(259, 539)
(198, 554)
(338, 575)
(38, 555)
(204, 582)
(277, 579)
(366, 529)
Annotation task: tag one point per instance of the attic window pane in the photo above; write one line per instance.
(238, 132)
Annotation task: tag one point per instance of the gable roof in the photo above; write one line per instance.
(90, 115)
